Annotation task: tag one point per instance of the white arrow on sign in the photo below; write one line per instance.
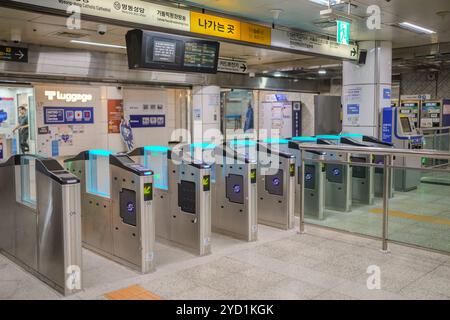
(20, 55)
(232, 66)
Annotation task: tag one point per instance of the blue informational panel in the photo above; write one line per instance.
(387, 126)
(55, 148)
(281, 97)
(147, 121)
(386, 93)
(68, 115)
(353, 109)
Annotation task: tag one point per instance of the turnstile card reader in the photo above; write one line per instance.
(276, 184)
(182, 197)
(398, 129)
(313, 178)
(117, 208)
(235, 191)
(338, 186)
(40, 216)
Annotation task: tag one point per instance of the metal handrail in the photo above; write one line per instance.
(435, 154)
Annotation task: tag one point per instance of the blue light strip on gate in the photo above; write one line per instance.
(243, 143)
(156, 149)
(351, 135)
(328, 137)
(304, 139)
(203, 146)
(275, 141)
(103, 153)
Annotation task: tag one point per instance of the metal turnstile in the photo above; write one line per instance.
(234, 194)
(338, 183)
(116, 207)
(313, 178)
(233, 189)
(276, 184)
(367, 182)
(40, 226)
(182, 197)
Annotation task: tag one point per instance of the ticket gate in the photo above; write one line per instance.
(234, 188)
(182, 197)
(116, 207)
(40, 221)
(338, 185)
(367, 182)
(313, 178)
(276, 184)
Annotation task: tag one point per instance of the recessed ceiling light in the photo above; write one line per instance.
(322, 71)
(277, 74)
(98, 44)
(415, 28)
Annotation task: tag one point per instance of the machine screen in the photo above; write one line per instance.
(406, 125)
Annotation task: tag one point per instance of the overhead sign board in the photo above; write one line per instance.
(229, 28)
(13, 54)
(161, 51)
(134, 11)
(310, 43)
(232, 66)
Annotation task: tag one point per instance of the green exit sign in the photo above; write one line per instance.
(343, 32)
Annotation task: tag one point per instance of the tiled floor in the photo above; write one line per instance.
(320, 264)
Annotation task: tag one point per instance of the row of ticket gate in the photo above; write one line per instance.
(118, 204)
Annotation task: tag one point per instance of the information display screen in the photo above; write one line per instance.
(158, 51)
(200, 54)
(164, 50)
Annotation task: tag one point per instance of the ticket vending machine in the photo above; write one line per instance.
(182, 197)
(338, 183)
(398, 129)
(276, 184)
(313, 177)
(431, 114)
(116, 207)
(411, 108)
(40, 220)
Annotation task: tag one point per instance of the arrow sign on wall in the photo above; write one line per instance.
(13, 54)
(232, 66)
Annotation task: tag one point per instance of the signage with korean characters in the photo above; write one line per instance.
(307, 42)
(232, 66)
(13, 54)
(228, 28)
(68, 115)
(135, 11)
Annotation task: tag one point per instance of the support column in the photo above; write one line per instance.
(366, 89)
(205, 111)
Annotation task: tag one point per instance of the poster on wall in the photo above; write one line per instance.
(68, 115)
(115, 113)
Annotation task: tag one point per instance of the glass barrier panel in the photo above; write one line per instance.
(156, 160)
(419, 213)
(28, 180)
(352, 195)
(98, 175)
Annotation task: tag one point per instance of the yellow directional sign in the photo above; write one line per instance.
(229, 29)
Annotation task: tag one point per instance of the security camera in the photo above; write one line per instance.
(16, 35)
(102, 29)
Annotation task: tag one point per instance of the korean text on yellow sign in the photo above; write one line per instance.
(229, 28)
